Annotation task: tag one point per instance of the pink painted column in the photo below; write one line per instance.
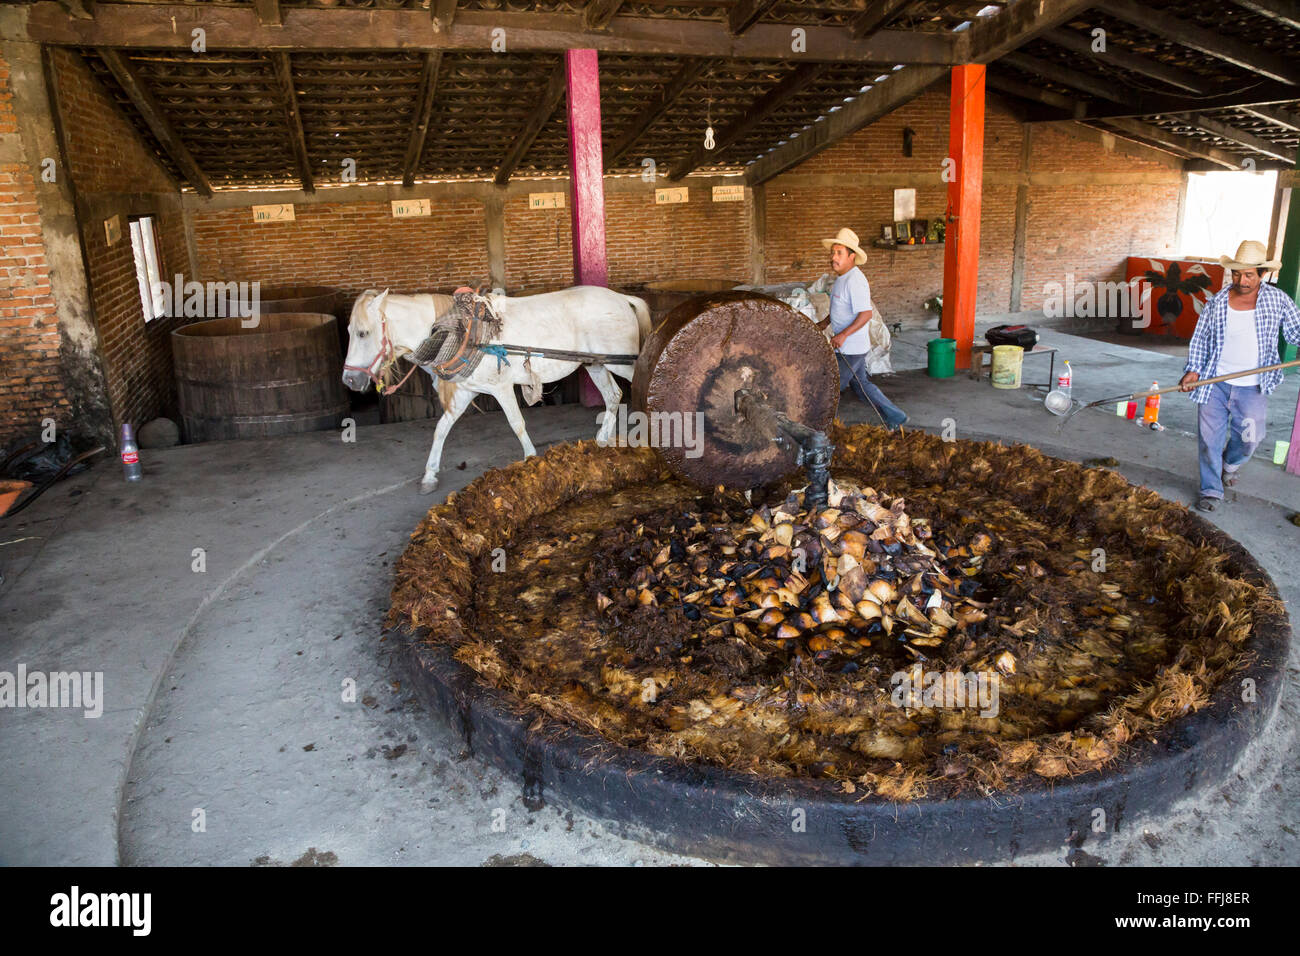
(1293, 453)
(586, 168)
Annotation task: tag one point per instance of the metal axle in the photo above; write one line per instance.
(815, 449)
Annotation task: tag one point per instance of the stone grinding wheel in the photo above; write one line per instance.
(713, 344)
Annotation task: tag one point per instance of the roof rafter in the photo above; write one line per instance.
(1152, 69)
(597, 13)
(683, 78)
(293, 119)
(153, 117)
(876, 17)
(555, 89)
(420, 120)
(1286, 12)
(991, 37)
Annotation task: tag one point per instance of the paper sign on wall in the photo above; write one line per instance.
(546, 200)
(280, 212)
(678, 194)
(407, 208)
(728, 193)
(113, 230)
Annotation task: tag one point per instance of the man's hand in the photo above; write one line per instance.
(1188, 382)
(839, 340)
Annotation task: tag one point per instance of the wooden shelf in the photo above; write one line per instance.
(878, 244)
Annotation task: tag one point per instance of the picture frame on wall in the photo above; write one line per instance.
(887, 232)
(935, 232)
(920, 229)
(902, 230)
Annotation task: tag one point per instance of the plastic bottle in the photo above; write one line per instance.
(131, 468)
(1065, 380)
(1152, 410)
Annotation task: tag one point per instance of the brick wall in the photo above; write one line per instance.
(114, 174)
(354, 246)
(31, 385)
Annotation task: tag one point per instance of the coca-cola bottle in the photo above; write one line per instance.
(131, 468)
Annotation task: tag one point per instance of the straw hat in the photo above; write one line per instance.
(849, 240)
(1250, 255)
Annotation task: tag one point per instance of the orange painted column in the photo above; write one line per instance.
(965, 173)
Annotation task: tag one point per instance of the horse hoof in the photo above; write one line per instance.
(428, 486)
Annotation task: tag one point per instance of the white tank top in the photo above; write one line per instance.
(1240, 347)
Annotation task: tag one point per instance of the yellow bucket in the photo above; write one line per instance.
(1006, 365)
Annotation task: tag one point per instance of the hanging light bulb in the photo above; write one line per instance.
(708, 138)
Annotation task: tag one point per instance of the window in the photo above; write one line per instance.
(148, 269)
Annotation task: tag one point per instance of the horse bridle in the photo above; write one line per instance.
(379, 364)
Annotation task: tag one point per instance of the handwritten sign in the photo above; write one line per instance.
(678, 194)
(113, 230)
(546, 200)
(728, 193)
(280, 212)
(409, 208)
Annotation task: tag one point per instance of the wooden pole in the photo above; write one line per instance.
(965, 171)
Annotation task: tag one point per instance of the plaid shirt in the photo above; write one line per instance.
(1273, 310)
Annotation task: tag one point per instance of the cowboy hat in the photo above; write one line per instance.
(1250, 255)
(849, 240)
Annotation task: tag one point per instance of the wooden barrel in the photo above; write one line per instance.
(307, 298)
(281, 377)
(667, 294)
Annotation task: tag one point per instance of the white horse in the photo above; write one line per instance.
(581, 319)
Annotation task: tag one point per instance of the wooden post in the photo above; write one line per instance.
(965, 170)
(586, 169)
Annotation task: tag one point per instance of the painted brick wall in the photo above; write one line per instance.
(354, 246)
(31, 383)
(114, 174)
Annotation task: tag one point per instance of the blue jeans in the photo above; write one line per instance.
(1234, 414)
(853, 371)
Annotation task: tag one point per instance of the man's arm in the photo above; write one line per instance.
(1290, 321)
(863, 318)
(1198, 350)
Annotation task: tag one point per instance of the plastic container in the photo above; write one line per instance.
(1151, 411)
(1007, 360)
(941, 358)
(131, 469)
(1065, 381)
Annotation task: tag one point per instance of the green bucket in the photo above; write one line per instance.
(942, 358)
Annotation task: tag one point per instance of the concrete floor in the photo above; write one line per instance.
(224, 687)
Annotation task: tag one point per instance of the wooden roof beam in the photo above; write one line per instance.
(876, 17)
(597, 13)
(81, 9)
(1240, 53)
(555, 88)
(991, 37)
(1285, 12)
(1151, 69)
(420, 121)
(901, 87)
(997, 80)
(167, 26)
(1146, 104)
(1239, 136)
(443, 14)
(1274, 115)
(1093, 86)
(674, 88)
(268, 12)
(1175, 142)
(293, 119)
(792, 85)
(154, 118)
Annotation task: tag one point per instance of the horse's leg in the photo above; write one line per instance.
(505, 396)
(459, 401)
(612, 393)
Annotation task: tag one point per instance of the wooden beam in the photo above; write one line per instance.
(1274, 115)
(597, 13)
(1151, 69)
(746, 13)
(420, 121)
(81, 9)
(1240, 136)
(1285, 12)
(586, 172)
(997, 80)
(154, 118)
(443, 14)
(167, 26)
(1093, 86)
(901, 87)
(1241, 53)
(292, 118)
(1146, 104)
(792, 85)
(268, 12)
(1186, 145)
(990, 37)
(533, 125)
(876, 17)
(683, 78)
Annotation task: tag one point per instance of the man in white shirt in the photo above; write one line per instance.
(849, 315)
(1238, 330)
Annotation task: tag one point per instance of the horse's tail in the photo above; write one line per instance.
(445, 392)
(642, 317)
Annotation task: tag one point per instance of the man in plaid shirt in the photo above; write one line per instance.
(1237, 331)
